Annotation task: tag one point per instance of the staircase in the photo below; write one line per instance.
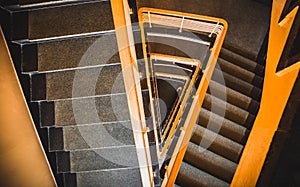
(67, 59)
(66, 55)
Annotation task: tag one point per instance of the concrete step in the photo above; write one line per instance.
(237, 84)
(216, 143)
(90, 136)
(76, 83)
(68, 52)
(193, 177)
(240, 73)
(210, 162)
(233, 97)
(242, 61)
(127, 177)
(49, 21)
(228, 110)
(97, 159)
(223, 126)
(90, 110)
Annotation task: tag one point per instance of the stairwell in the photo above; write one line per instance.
(85, 127)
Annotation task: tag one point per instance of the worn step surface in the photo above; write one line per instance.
(102, 109)
(127, 177)
(216, 143)
(237, 84)
(233, 97)
(191, 176)
(91, 136)
(69, 52)
(228, 110)
(92, 81)
(240, 73)
(48, 21)
(210, 162)
(223, 126)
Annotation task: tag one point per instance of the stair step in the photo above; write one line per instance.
(127, 177)
(60, 20)
(97, 136)
(78, 83)
(233, 97)
(240, 73)
(228, 110)
(31, 2)
(69, 52)
(223, 126)
(242, 61)
(103, 159)
(102, 109)
(191, 176)
(237, 84)
(217, 143)
(210, 162)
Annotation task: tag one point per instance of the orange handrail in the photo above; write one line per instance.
(276, 90)
(23, 161)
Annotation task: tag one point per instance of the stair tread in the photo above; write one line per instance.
(222, 126)
(69, 52)
(100, 109)
(210, 162)
(216, 143)
(190, 176)
(237, 84)
(68, 19)
(227, 110)
(242, 61)
(233, 97)
(240, 72)
(79, 83)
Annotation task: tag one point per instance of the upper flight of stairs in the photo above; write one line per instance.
(67, 59)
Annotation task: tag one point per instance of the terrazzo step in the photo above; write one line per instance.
(216, 143)
(191, 176)
(85, 82)
(29, 2)
(223, 126)
(233, 97)
(210, 162)
(97, 159)
(237, 84)
(49, 20)
(89, 110)
(240, 73)
(91, 136)
(127, 177)
(228, 110)
(68, 52)
(242, 61)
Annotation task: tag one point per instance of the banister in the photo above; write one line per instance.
(276, 90)
(23, 161)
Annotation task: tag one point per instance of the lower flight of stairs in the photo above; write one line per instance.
(67, 59)
(225, 120)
